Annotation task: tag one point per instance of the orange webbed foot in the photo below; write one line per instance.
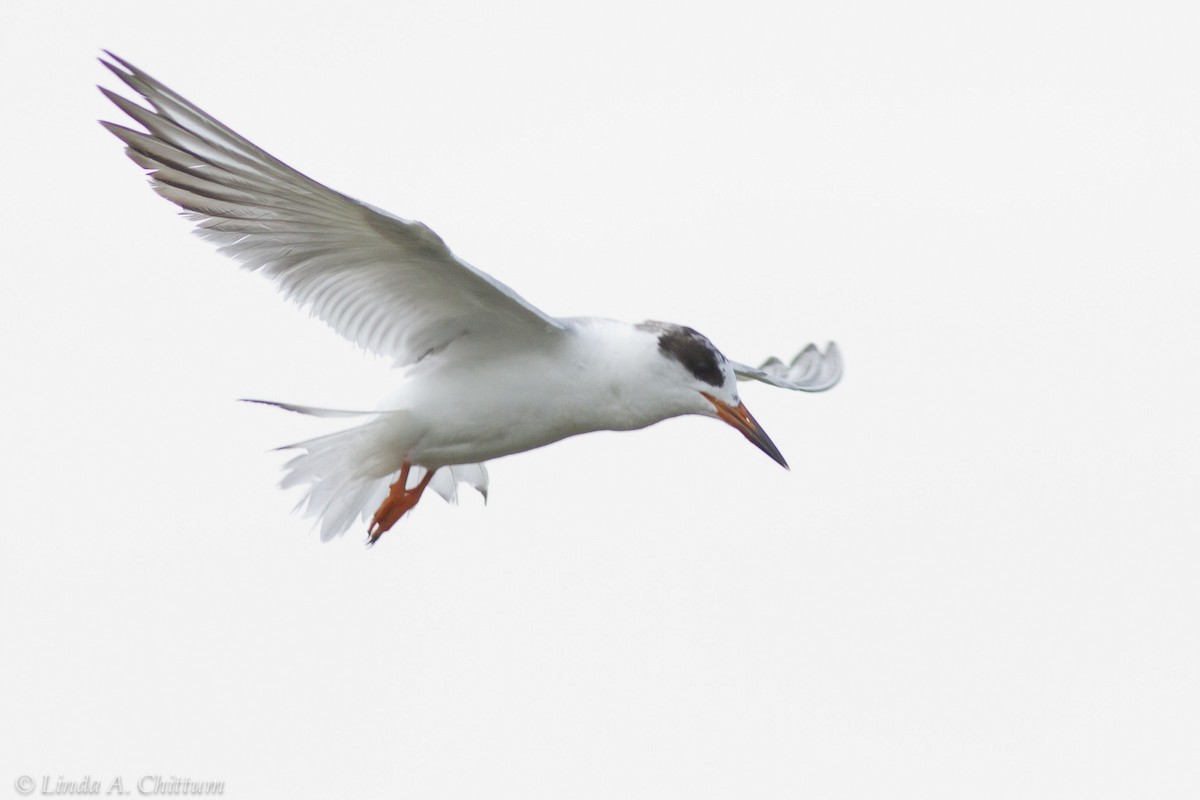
(400, 500)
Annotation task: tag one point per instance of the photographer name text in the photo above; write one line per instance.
(144, 785)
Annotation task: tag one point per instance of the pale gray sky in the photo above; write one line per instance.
(977, 580)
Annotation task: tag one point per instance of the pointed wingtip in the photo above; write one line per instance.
(117, 59)
(114, 65)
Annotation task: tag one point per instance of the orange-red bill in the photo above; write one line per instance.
(739, 417)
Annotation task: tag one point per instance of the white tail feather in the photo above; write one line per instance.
(446, 480)
(346, 476)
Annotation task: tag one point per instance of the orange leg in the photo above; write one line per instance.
(399, 501)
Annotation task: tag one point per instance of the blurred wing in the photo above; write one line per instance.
(387, 284)
(810, 371)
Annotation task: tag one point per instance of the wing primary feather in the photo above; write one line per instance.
(387, 284)
(810, 371)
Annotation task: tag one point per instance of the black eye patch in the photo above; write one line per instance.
(694, 351)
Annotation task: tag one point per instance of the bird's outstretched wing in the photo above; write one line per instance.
(810, 371)
(387, 284)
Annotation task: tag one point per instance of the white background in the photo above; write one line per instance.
(979, 578)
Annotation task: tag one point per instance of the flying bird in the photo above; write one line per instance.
(485, 373)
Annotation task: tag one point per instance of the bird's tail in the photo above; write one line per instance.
(346, 475)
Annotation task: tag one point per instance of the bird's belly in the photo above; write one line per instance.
(485, 415)
(468, 441)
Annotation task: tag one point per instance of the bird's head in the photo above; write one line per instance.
(707, 381)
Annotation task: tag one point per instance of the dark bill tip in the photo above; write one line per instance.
(740, 418)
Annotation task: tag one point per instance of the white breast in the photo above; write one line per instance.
(474, 402)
